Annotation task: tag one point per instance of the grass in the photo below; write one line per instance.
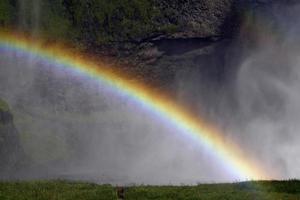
(55, 190)
(63, 190)
(235, 191)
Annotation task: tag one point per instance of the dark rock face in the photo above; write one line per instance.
(197, 18)
(11, 152)
(205, 32)
(137, 35)
(201, 29)
(187, 21)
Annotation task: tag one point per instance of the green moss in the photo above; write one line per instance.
(5, 12)
(3, 106)
(117, 20)
(93, 23)
(54, 22)
(96, 21)
(170, 28)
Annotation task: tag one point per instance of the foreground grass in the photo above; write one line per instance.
(61, 190)
(55, 190)
(265, 190)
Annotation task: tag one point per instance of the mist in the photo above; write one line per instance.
(73, 127)
(267, 88)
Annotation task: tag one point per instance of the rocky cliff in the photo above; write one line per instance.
(162, 42)
(156, 40)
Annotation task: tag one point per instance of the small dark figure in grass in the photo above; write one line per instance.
(121, 192)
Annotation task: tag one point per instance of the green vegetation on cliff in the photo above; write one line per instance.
(111, 20)
(6, 13)
(105, 22)
(97, 21)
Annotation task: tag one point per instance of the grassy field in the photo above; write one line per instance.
(273, 190)
(59, 190)
(55, 190)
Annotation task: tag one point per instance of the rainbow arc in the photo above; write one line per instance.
(176, 116)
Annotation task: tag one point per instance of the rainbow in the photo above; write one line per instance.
(200, 132)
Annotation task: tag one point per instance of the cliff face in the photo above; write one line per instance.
(11, 153)
(206, 36)
(197, 18)
(154, 39)
(157, 40)
(195, 45)
(107, 22)
(135, 35)
(116, 26)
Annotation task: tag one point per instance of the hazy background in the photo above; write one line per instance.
(78, 128)
(73, 127)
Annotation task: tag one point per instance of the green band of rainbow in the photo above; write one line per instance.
(177, 117)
